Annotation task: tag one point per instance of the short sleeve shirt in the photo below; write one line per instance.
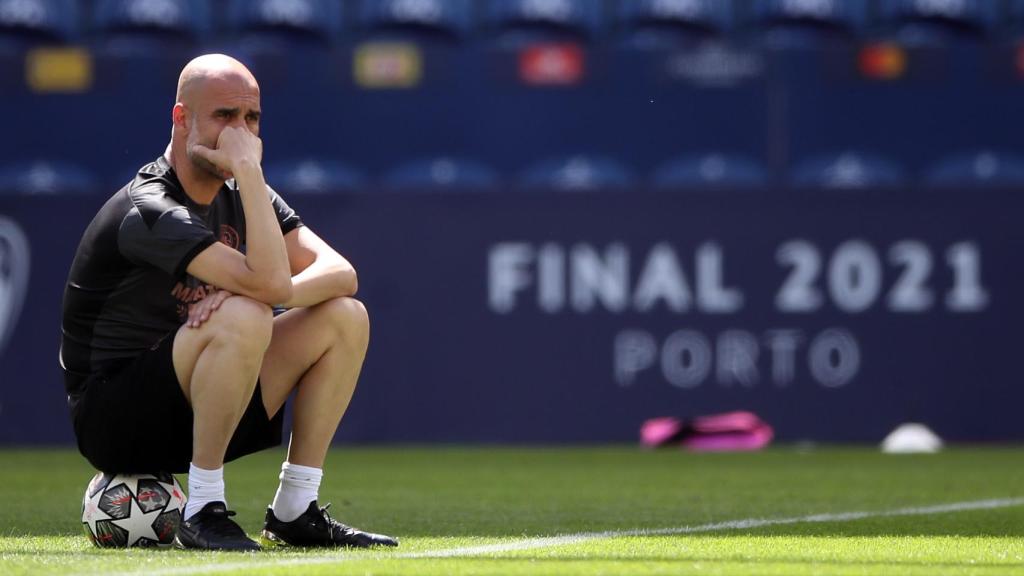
(128, 287)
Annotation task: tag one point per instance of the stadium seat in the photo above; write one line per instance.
(441, 174)
(272, 22)
(848, 170)
(710, 171)
(929, 22)
(518, 22)
(577, 173)
(312, 176)
(661, 24)
(979, 169)
(807, 23)
(25, 23)
(143, 27)
(422, 19)
(46, 177)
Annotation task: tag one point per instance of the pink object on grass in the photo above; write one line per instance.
(729, 432)
(659, 431)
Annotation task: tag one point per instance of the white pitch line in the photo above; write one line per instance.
(553, 541)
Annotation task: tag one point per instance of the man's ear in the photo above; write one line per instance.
(179, 115)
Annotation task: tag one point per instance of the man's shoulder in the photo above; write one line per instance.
(154, 192)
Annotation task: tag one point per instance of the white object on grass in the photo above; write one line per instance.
(912, 438)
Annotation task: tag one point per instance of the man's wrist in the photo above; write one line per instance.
(247, 170)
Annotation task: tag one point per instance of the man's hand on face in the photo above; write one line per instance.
(200, 311)
(236, 147)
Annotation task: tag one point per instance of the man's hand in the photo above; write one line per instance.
(200, 311)
(236, 146)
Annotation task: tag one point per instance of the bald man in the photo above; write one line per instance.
(172, 355)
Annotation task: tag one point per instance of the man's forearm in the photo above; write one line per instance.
(265, 249)
(321, 282)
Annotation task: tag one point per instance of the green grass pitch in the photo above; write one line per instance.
(610, 510)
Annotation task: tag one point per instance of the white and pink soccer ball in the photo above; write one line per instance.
(125, 510)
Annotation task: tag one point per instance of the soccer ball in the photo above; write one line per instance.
(124, 510)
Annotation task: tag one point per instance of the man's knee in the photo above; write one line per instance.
(349, 317)
(243, 319)
(239, 330)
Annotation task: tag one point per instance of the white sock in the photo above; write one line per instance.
(299, 487)
(204, 486)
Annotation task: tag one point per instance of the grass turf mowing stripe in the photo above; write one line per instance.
(567, 539)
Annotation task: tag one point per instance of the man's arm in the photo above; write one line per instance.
(320, 273)
(263, 272)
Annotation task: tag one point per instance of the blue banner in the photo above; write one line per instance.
(573, 317)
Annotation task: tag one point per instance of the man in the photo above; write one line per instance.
(173, 358)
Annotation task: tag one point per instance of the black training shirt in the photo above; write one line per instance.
(128, 287)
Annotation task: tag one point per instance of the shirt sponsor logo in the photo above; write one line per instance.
(14, 272)
(189, 292)
(552, 65)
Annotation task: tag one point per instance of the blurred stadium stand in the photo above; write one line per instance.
(676, 93)
(848, 170)
(423, 19)
(661, 24)
(139, 27)
(519, 22)
(28, 22)
(924, 22)
(578, 173)
(442, 174)
(46, 177)
(281, 24)
(978, 169)
(805, 23)
(311, 176)
(713, 170)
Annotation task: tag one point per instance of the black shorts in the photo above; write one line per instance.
(134, 418)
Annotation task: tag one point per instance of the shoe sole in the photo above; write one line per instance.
(178, 545)
(270, 540)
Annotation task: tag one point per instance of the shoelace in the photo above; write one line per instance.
(333, 524)
(219, 523)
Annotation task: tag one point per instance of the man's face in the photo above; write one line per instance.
(219, 103)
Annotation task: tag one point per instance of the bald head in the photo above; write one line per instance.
(213, 69)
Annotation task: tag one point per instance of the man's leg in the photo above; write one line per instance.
(318, 350)
(217, 365)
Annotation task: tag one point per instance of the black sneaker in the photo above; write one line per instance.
(213, 529)
(316, 528)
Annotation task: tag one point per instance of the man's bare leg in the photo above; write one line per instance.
(217, 365)
(320, 351)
